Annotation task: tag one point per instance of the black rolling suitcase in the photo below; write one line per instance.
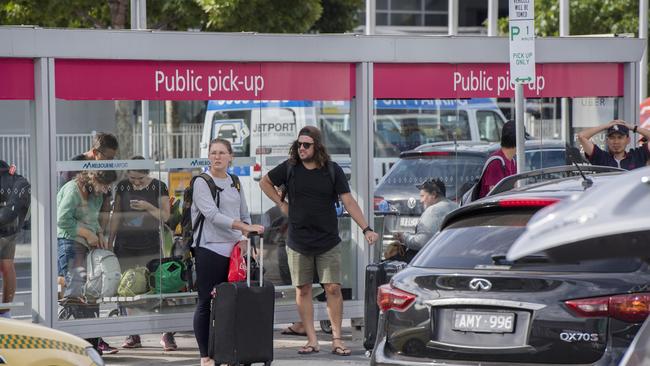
(377, 274)
(241, 321)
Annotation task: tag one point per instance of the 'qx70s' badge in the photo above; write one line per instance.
(411, 203)
(480, 284)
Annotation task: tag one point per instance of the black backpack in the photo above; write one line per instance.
(15, 190)
(290, 188)
(187, 227)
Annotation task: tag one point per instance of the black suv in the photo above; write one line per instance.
(458, 165)
(461, 302)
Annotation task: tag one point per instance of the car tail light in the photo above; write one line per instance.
(391, 298)
(257, 168)
(527, 202)
(632, 308)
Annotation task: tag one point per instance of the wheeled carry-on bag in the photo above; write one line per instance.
(377, 274)
(241, 321)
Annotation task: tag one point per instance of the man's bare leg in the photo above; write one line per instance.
(335, 312)
(306, 311)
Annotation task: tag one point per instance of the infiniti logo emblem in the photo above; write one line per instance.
(411, 203)
(480, 284)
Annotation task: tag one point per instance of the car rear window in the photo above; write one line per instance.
(452, 169)
(539, 159)
(482, 241)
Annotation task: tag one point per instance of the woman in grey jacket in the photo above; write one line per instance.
(224, 227)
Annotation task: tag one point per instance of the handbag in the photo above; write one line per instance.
(237, 266)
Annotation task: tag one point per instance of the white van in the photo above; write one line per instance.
(257, 130)
(261, 132)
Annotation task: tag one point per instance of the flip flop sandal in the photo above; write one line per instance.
(341, 351)
(290, 331)
(305, 350)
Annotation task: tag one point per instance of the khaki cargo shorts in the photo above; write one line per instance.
(327, 265)
(7, 247)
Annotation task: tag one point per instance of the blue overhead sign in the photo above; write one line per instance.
(215, 105)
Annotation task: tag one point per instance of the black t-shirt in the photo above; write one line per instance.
(313, 227)
(138, 231)
(635, 158)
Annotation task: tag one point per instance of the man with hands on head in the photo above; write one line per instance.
(617, 140)
(314, 184)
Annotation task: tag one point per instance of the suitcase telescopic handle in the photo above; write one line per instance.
(252, 235)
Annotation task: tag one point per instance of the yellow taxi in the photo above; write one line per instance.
(27, 344)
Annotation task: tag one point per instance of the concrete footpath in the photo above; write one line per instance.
(285, 351)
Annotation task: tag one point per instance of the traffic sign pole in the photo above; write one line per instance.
(522, 64)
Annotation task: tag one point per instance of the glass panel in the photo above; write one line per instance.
(406, 19)
(430, 5)
(406, 5)
(16, 155)
(435, 20)
(274, 128)
(382, 4)
(489, 126)
(109, 213)
(591, 112)
(382, 18)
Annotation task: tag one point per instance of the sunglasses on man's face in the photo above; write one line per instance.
(305, 145)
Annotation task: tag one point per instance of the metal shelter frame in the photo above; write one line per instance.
(46, 45)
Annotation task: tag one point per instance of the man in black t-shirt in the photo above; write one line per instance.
(314, 185)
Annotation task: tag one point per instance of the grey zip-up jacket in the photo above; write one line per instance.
(428, 224)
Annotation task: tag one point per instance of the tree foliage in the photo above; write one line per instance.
(339, 16)
(585, 17)
(264, 16)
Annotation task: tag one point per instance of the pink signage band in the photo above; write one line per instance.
(452, 81)
(16, 79)
(193, 80)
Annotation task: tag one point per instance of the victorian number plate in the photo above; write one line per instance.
(486, 322)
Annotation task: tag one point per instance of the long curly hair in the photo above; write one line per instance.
(86, 178)
(321, 157)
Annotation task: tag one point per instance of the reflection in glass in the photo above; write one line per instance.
(16, 155)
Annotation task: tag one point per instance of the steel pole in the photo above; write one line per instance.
(565, 129)
(493, 16)
(371, 18)
(643, 64)
(139, 21)
(452, 17)
(519, 122)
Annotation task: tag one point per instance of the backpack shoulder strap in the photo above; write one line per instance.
(288, 189)
(332, 173)
(490, 160)
(213, 187)
(235, 182)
